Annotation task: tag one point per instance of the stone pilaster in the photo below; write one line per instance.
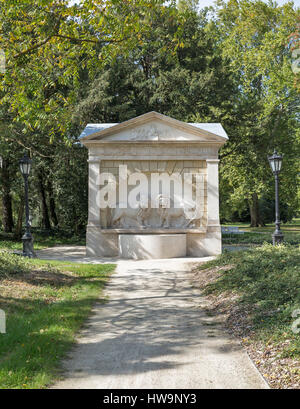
(94, 205)
(213, 218)
(209, 244)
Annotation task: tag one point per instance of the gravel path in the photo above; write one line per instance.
(153, 333)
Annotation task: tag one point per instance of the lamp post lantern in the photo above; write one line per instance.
(25, 165)
(275, 162)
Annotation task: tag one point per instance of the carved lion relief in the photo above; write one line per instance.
(164, 215)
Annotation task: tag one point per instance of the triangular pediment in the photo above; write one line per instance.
(153, 127)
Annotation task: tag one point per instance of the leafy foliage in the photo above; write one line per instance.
(255, 42)
(267, 275)
(12, 264)
(108, 61)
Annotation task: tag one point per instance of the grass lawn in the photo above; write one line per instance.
(41, 240)
(260, 235)
(252, 236)
(45, 303)
(257, 291)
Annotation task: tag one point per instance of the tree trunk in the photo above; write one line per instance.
(256, 220)
(19, 225)
(7, 220)
(45, 213)
(52, 204)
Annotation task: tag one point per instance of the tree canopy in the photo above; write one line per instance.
(110, 60)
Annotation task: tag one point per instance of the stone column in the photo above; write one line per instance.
(98, 244)
(93, 227)
(94, 206)
(213, 238)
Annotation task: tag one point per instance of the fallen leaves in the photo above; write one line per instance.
(279, 372)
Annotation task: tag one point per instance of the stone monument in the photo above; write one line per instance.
(153, 188)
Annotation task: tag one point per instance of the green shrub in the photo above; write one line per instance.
(260, 238)
(13, 264)
(267, 277)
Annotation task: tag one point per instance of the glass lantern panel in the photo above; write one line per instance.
(272, 164)
(278, 165)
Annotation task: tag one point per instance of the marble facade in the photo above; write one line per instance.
(147, 147)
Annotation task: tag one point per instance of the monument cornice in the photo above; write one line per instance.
(148, 142)
(155, 118)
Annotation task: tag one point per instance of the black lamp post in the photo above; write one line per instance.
(25, 164)
(275, 162)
